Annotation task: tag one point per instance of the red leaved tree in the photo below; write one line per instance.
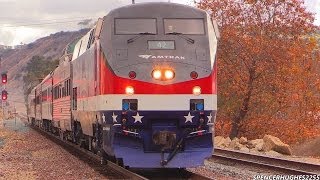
(265, 62)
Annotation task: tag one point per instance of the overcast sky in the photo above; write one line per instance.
(23, 21)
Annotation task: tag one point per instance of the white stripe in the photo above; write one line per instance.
(168, 102)
(130, 132)
(198, 131)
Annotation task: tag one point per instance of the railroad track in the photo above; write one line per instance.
(110, 170)
(275, 164)
(113, 171)
(160, 174)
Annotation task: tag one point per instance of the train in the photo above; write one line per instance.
(140, 88)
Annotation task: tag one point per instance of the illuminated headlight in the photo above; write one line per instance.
(196, 90)
(169, 74)
(129, 90)
(156, 74)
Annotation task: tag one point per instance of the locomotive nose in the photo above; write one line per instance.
(166, 139)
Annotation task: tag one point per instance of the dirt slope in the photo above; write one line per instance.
(14, 61)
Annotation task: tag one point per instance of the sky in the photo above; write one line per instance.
(24, 21)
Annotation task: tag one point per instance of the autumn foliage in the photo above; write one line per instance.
(268, 69)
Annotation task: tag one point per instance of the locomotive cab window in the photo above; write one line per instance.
(135, 26)
(184, 26)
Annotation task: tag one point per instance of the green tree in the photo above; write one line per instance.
(37, 69)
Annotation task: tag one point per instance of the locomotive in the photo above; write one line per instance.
(139, 88)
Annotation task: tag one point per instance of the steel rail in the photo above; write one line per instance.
(83, 153)
(273, 163)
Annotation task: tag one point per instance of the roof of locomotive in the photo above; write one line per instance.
(148, 8)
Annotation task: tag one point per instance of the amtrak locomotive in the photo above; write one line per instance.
(139, 88)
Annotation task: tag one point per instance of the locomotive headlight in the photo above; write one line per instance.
(156, 74)
(129, 90)
(196, 90)
(169, 74)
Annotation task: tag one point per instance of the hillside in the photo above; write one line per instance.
(14, 62)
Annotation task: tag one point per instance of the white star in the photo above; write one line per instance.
(209, 119)
(188, 118)
(114, 117)
(103, 118)
(137, 118)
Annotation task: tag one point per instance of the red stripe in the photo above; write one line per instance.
(112, 84)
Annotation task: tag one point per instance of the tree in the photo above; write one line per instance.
(264, 60)
(37, 69)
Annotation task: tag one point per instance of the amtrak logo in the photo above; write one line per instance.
(147, 56)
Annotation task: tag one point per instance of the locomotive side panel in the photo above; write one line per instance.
(84, 70)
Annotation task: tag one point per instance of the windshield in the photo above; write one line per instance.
(184, 26)
(135, 26)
